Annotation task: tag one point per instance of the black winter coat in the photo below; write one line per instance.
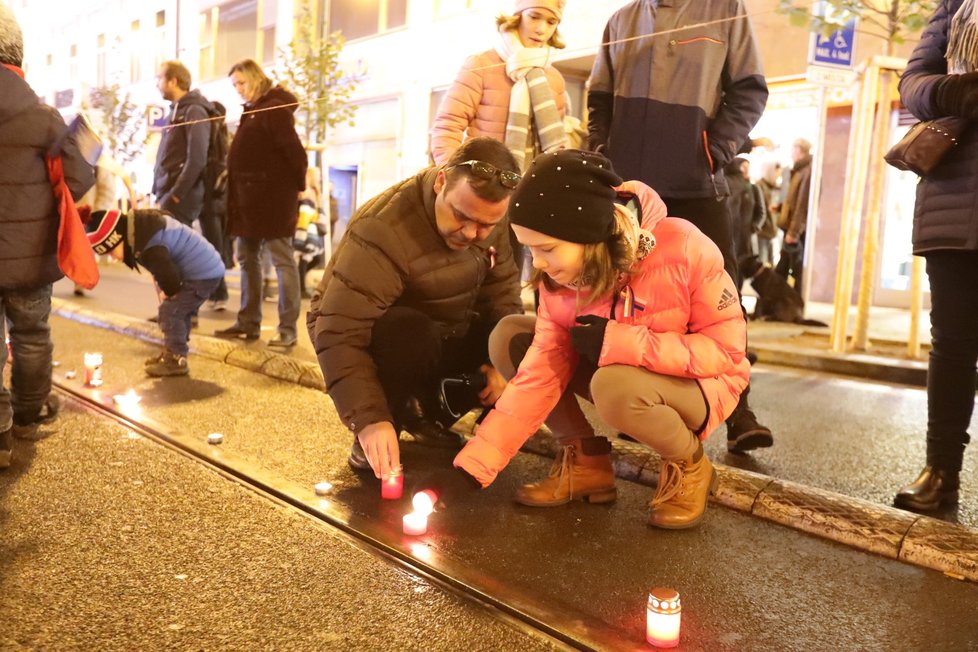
(946, 212)
(182, 156)
(266, 170)
(29, 217)
(393, 255)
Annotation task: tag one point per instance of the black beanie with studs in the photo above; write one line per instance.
(568, 194)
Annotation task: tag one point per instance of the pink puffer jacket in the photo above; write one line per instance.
(478, 100)
(687, 322)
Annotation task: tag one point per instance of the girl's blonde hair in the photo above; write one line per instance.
(604, 263)
(255, 76)
(512, 24)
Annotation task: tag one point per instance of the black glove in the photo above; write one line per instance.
(958, 95)
(448, 486)
(588, 338)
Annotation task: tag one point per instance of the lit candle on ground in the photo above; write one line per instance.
(663, 616)
(215, 438)
(127, 401)
(323, 488)
(424, 501)
(93, 369)
(415, 524)
(393, 485)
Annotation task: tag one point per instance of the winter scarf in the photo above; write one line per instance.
(14, 69)
(531, 95)
(962, 42)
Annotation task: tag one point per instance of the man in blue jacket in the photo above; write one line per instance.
(671, 105)
(178, 178)
(29, 221)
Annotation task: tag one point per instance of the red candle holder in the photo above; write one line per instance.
(392, 487)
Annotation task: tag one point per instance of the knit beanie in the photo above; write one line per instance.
(11, 38)
(568, 194)
(556, 6)
(107, 230)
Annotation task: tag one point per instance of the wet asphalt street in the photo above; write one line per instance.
(107, 523)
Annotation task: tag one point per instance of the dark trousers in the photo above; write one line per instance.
(412, 357)
(792, 260)
(27, 313)
(712, 217)
(175, 313)
(212, 228)
(951, 373)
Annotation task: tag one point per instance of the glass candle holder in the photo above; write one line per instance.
(415, 524)
(93, 369)
(663, 616)
(392, 487)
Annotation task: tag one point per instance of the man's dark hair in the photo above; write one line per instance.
(178, 71)
(488, 151)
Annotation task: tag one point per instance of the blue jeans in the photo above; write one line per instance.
(289, 300)
(30, 339)
(175, 313)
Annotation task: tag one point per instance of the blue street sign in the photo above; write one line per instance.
(836, 49)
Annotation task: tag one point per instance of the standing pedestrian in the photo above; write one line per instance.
(511, 93)
(794, 213)
(213, 213)
(942, 80)
(266, 172)
(178, 178)
(743, 207)
(671, 105)
(29, 218)
(637, 316)
(765, 232)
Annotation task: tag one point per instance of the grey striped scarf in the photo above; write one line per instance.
(531, 95)
(962, 40)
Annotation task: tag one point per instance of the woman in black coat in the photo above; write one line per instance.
(266, 173)
(942, 80)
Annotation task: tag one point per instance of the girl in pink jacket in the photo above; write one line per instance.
(637, 316)
(510, 93)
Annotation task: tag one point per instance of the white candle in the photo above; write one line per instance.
(415, 524)
(424, 501)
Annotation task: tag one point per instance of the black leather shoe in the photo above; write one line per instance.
(932, 489)
(429, 433)
(283, 341)
(744, 433)
(236, 332)
(358, 459)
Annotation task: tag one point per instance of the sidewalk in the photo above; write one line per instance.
(809, 347)
(865, 525)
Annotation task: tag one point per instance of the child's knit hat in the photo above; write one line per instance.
(108, 229)
(556, 6)
(568, 194)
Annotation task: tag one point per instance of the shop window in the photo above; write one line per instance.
(135, 62)
(230, 33)
(362, 18)
(100, 61)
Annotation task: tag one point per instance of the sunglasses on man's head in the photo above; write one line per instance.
(489, 172)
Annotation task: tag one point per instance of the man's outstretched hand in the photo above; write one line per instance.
(379, 443)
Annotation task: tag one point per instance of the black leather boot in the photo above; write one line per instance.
(427, 431)
(744, 432)
(933, 488)
(358, 459)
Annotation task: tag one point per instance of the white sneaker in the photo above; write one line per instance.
(219, 305)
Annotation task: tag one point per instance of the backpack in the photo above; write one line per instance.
(215, 180)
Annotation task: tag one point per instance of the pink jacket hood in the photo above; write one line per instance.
(682, 319)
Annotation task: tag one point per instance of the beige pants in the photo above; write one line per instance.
(660, 411)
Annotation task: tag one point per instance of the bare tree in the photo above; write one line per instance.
(119, 121)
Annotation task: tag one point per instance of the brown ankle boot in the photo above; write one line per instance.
(684, 485)
(582, 470)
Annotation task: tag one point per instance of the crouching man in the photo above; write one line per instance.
(423, 274)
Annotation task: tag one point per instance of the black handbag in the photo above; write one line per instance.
(926, 144)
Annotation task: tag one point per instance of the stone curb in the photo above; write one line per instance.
(874, 367)
(887, 531)
(260, 360)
